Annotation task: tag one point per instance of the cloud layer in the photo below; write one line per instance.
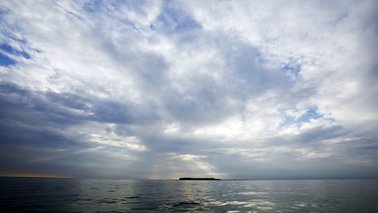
(163, 89)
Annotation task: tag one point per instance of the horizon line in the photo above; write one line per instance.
(172, 179)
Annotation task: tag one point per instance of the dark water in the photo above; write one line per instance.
(76, 195)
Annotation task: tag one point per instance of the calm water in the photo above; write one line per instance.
(76, 195)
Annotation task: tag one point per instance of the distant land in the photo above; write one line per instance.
(191, 178)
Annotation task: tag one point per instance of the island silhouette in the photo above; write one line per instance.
(193, 178)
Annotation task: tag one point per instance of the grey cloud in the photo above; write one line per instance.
(129, 71)
(69, 108)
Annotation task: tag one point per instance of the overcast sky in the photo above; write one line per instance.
(164, 89)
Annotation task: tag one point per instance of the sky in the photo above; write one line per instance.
(166, 89)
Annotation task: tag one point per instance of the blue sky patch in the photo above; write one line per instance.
(9, 49)
(311, 113)
(6, 61)
(171, 20)
(291, 67)
(289, 120)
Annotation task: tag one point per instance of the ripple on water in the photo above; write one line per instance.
(107, 201)
(186, 203)
(132, 197)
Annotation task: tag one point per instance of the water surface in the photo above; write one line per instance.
(86, 195)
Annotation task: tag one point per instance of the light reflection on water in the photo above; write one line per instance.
(76, 195)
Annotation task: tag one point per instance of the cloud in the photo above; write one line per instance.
(162, 89)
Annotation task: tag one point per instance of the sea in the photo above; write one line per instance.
(98, 195)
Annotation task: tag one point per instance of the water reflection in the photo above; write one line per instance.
(63, 195)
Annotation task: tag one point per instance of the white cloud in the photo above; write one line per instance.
(270, 80)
